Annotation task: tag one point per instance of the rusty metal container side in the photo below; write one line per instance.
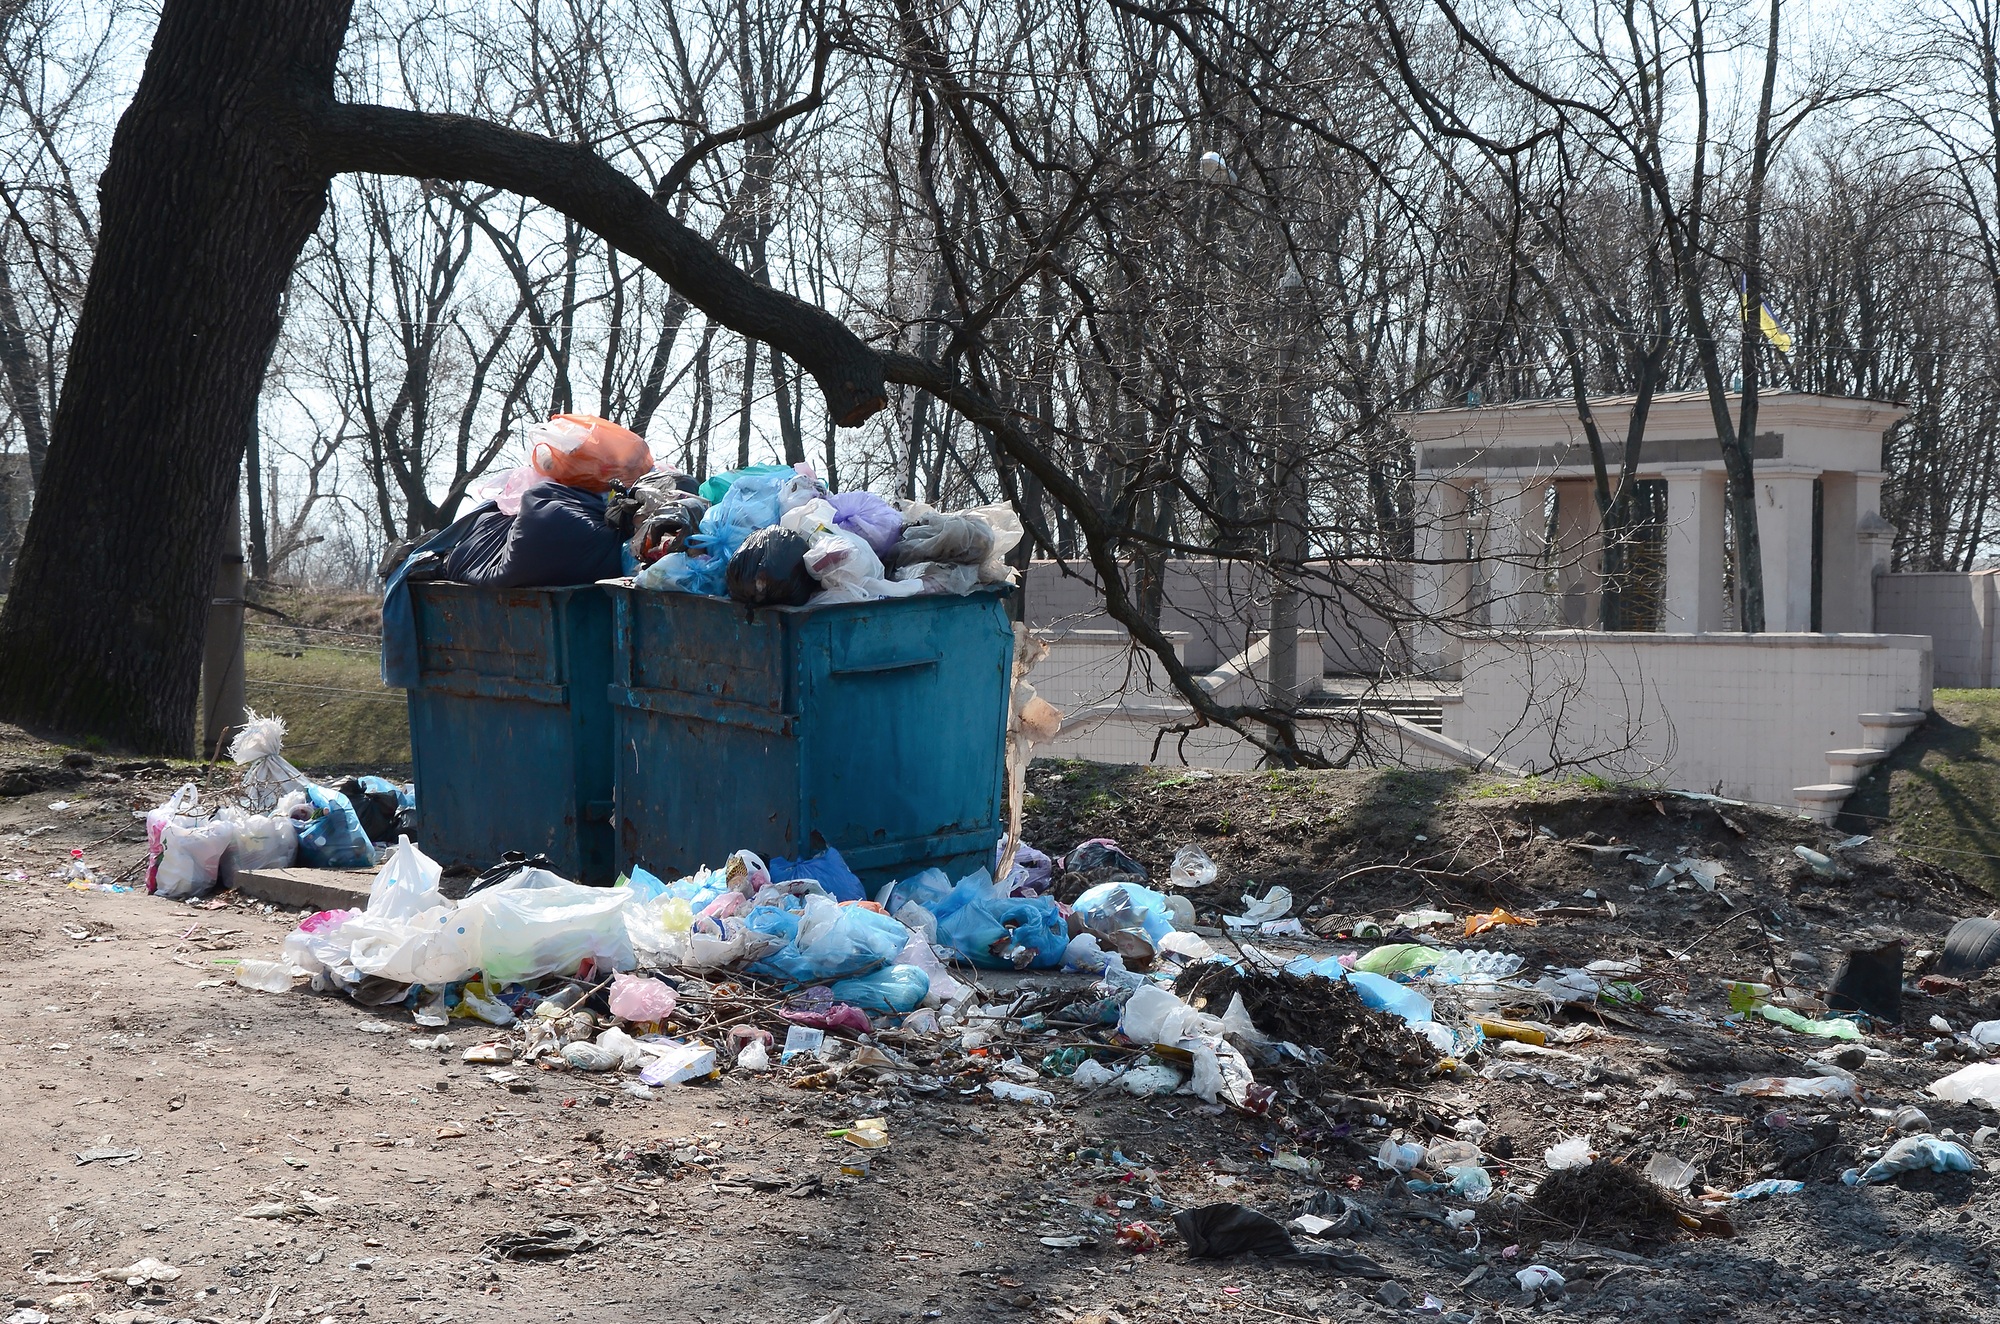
(510, 726)
(880, 725)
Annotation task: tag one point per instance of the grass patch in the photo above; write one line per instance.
(336, 711)
(1938, 795)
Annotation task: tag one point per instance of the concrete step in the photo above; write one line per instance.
(306, 889)
(1849, 766)
(1427, 713)
(1822, 803)
(1885, 731)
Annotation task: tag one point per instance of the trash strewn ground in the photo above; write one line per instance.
(187, 1147)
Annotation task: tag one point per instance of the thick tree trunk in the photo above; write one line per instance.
(209, 194)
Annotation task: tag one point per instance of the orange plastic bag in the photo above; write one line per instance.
(582, 450)
(1477, 924)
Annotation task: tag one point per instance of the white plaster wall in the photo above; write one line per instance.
(1748, 716)
(1955, 608)
(1221, 605)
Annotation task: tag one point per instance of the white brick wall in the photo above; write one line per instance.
(1956, 609)
(1750, 716)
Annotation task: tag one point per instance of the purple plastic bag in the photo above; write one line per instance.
(870, 518)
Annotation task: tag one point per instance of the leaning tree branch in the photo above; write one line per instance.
(582, 185)
(1100, 536)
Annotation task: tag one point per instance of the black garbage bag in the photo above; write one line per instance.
(1217, 1231)
(1101, 853)
(559, 539)
(769, 570)
(380, 812)
(1870, 979)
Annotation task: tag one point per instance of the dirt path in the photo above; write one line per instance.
(386, 1175)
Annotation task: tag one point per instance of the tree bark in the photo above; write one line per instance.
(24, 386)
(207, 198)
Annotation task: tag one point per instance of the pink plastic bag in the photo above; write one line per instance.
(638, 999)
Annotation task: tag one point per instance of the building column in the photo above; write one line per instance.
(1439, 579)
(1874, 545)
(1577, 560)
(1512, 554)
(1784, 526)
(1843, 585)
(1693, 589)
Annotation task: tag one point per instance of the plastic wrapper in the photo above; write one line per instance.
(1153, 1015)
(185, 848)
(949, 538)
(504, 488)
(582, 450)
(317, 945)
(1920, 1154)
(940, 577)
(686, 572)
(1032, 872)
(267, 775)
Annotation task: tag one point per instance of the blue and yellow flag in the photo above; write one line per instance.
(1766, 323)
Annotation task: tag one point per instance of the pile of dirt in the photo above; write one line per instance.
(1606, 1202)
(1361, 1045)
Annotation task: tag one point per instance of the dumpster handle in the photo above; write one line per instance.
(887, 664)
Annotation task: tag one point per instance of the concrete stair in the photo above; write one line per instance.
(1880, 734)
(1425, 712)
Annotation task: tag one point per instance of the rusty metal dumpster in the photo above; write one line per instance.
(510, 726)
(878, 725)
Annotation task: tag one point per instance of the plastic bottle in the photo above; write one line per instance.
(1387, 995)
(75, 872)
(264, 976)
(1012, 1093)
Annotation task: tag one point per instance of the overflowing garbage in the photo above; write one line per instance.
(275, 818)
(775, 535)
(1532, 1078)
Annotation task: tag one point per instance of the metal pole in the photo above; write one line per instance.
(222, 649)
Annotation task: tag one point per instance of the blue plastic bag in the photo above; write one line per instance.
(1109, 907)
(898, 988)
(826, 941)
(928, 889)
(334, 840)
(718, 487)
(828, 870)
(1001, 933)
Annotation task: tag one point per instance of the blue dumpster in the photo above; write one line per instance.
(510, 725)
(879, 725)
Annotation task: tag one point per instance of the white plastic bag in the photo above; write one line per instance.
(407, 885)
(849, 570)
(537, 924)
(1007, 533)
(267, 775)
(263, 841)
(186, 847)
(432, 948)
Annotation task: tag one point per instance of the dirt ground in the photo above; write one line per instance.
(296, 1157)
